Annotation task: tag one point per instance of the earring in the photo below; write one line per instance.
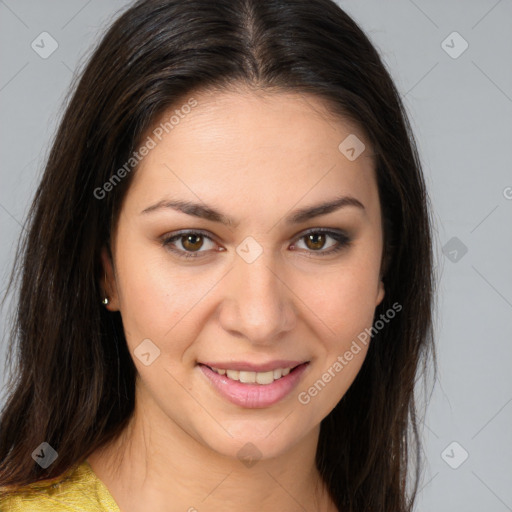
(105, 301)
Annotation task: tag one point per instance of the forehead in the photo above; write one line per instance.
(259, 120)
(270, 148)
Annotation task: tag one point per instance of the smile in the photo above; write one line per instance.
(254, 377)
(252, 389)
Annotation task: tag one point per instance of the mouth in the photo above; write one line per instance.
(254, 389)
(255, 377)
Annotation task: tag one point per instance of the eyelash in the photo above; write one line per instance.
(342, 239)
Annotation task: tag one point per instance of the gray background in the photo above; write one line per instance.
(461, 113)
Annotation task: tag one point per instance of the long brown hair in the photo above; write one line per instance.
(73, 380)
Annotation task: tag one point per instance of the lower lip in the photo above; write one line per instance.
(254, 396)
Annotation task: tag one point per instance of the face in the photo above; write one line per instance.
(253, 277)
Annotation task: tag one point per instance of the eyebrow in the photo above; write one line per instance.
(296, 217)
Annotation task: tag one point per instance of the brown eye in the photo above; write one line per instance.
(188, 244)
(315, 241)
(192, 242)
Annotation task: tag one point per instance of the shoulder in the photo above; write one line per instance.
(77, 489)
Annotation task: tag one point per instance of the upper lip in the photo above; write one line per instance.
(252, 367)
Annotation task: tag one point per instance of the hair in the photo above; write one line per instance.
(73, 382)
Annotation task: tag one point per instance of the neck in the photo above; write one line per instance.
(155, 461)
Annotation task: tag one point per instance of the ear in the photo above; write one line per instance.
(108, 283)
(380, 294)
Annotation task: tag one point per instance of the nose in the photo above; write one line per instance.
(258, 304)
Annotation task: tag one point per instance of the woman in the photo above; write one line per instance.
(226, 288)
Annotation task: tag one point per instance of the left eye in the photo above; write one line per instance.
(192, 241)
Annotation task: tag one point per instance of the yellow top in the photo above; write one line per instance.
(78, 490)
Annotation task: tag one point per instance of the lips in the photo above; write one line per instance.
(250, 394)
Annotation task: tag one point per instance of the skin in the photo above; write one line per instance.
(257, 158)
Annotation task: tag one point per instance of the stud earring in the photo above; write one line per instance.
(105, 301)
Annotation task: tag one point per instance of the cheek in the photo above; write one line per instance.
(345, 309)
(343, 300)
(161, 300)
(342, 303)
(156, 299)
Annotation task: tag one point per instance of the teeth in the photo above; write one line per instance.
(264, 377)
(254, 377)
(232, 374)
(248, 377)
